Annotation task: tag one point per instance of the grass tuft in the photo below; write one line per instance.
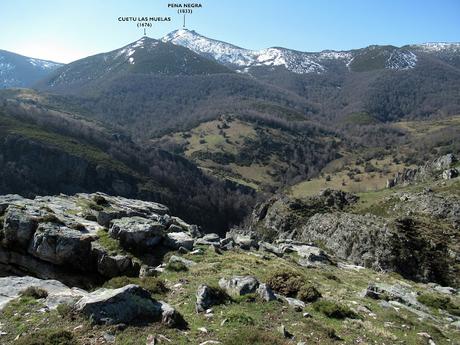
(34, 292)
(54, 337)
(334, 310)
(154, 285)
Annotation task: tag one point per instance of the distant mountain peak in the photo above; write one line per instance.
(22, 71)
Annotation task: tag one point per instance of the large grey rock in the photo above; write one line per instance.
(187, 263)
(15, 263)
(310, 256)
(122, 207)
(124, 305)
(61, 245)
(449, 174)
(206, 297)
(239, 285)
(208, 239)
(175, 240)
(396, 293)
(170, 317)
(137, 232)
(58, 293)
(295, 303)
(18, 227)
(266, 293)
(270, 248)
(111, 266)
(245, 242)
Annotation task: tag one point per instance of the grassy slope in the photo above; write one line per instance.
(418, 131)
(338, 170)
(245, 318)
(207, 137)
(229, 136)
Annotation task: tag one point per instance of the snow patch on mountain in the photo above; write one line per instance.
(296, 62)
(401, 60)
(244, 59)
(43, 64)
(335, 55)
(128, 51)
(223, 52)
(438, 47)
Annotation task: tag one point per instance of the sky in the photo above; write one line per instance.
(67, 30)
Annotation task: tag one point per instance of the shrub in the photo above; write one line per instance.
(49, 218)
(439, 302)
(334, 310)
(154, 285)
(333, 277)
(47, 337)
(95, 206)
(176, 266)
(34, 292)
(65, 310)
(287, 283)
(252, 336)
(240, 318)
(78, 226)
(308, 293)
(218, 295)
(100, 200)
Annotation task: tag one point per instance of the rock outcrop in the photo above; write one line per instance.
(129, 304)
(441, 167)
(239, 285)
(57, 293)
(400, 245)
(281, 216)
(65, 237)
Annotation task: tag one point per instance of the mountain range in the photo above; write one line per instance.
(254, 120)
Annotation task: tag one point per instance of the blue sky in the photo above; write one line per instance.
(66, 30)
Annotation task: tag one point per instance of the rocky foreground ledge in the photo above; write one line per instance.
(98, 269)
(85, 239)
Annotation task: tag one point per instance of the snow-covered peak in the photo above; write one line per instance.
(131, 49)
(223, 52)
(243, 59)
(432, 47)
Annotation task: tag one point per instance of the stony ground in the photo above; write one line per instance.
(247, 319)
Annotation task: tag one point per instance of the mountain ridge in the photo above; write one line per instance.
(296, 61)
(20, 71)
